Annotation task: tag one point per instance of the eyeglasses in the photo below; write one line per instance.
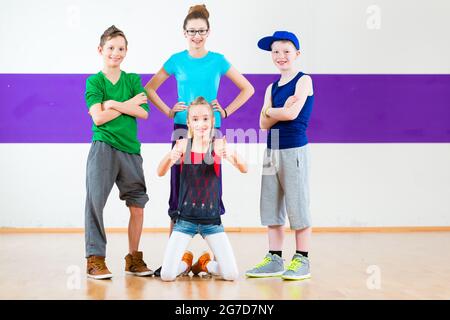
(201, 32)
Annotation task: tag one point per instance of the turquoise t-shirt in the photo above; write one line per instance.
(197, 77)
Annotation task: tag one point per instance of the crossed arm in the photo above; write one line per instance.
(102, 113)
(292, 107)
(264, 121)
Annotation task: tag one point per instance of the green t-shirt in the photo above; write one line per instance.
(121, 132)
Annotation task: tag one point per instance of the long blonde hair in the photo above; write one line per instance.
(197, 102)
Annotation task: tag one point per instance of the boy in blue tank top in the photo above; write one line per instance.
(285, 180)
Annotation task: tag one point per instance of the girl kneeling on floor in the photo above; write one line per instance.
(199, 200)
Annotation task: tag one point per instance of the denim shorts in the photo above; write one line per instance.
(192, 229)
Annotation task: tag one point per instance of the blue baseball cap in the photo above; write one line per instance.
(266, 42)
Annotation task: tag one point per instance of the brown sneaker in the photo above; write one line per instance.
(187, 258)
(136, 266)
(200, 265)
(97, 269)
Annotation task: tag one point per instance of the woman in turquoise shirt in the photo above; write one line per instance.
(198, 72)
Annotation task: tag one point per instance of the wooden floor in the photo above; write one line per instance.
(344, 266)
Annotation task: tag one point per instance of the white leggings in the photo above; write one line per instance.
(225, 264)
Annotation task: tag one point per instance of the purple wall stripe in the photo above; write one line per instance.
(50, 108)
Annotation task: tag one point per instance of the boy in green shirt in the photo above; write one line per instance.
(115, 99)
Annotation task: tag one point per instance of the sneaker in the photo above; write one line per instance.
(97, 269)
(298, 269)
(187, 258)
(271, 266)
(157, 272)
(134, 265)
(200, 265)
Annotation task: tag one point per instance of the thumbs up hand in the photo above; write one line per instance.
(176, 152)
(222, 148)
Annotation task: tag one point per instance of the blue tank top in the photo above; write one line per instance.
(292, 133)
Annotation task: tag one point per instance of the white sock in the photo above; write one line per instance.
(182, 267)
(213, 267)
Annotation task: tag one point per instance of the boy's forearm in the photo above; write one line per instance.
(105, 116)
(267, 123)
(280, 114)
(130, 109)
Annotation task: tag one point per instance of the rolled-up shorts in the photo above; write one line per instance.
(285, 188)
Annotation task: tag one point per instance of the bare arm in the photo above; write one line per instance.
(264, 121)
(245, 87)
(155, 82)
(100, 116)
(130, 107)
(236, 160)
(164, 165)
(295, 103)
(222, 150)
(172, 157)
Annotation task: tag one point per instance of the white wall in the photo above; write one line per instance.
(352, 184)
(43, 185)
(57, 36)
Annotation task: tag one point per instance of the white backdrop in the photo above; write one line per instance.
(42, 185)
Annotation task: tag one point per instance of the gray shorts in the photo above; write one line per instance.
(285, 188)
(106, 166)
